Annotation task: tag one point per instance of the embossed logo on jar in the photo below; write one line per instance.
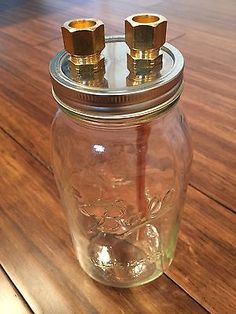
(118, 217)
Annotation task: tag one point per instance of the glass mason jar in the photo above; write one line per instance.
(121, 159)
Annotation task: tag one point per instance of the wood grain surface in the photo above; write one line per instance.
(35, 247)
(11, 301)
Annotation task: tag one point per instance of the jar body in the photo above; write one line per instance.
(123, 187)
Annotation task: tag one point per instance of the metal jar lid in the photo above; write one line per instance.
(117, 90)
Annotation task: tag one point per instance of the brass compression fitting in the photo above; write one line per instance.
(84, 40)
(145, 34)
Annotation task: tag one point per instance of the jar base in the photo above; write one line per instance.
(120, 263)
(126, 285)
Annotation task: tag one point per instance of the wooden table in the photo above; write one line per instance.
(39, 272)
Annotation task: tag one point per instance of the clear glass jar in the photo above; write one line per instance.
(121, 151)
(123, 187)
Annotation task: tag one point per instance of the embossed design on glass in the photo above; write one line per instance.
(114, 217)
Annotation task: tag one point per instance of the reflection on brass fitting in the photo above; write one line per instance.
(145, 34)
(92, 79)
(84, 40)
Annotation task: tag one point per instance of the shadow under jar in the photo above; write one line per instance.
(121, 156)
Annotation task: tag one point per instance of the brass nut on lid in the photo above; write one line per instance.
(143, 64)
(84, 40)
(145, 34)
(83, 36)
(145, 31)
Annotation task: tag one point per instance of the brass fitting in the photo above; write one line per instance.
(145, 34)
(84, 40)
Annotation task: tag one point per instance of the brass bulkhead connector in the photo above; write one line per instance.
(145, 34)
(84, 40)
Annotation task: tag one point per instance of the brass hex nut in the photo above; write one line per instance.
(143, 65)
(145, 31)
(86, 74)
(83, 36)
(83, 69)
